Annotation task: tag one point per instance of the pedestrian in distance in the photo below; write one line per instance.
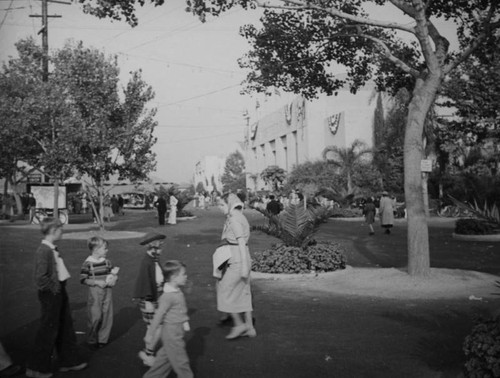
(233, 289)
(172, 321)
(273, 207)
(149, 287)
(386, 212)
(31, 206)
(369, 211)
(121, 202)
(172, 215)
(161, 207)
(99, 274)
(56, 332)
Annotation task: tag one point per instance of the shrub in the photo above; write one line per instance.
(319, 257)
(184, 214)
(471, 226)
(346, 213)
(482, 349)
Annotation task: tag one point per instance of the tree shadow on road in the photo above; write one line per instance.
(443, 334)
(196, 346)
(124, 321)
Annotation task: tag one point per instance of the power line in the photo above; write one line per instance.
(6, 13)
(178, 126)
(9, 9)
(201, 138)
(202, 95)
(204, 68)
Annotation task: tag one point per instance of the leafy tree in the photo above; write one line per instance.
(347, 160)
(273, 176)
(389, 141)
(314, 172)
(474, 91)
(200, 188)
(300, 39)
(233, 177)
(113, 137)
(36, 118)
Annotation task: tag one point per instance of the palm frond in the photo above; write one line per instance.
(296, 225)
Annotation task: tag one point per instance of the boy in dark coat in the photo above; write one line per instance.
(149, 285)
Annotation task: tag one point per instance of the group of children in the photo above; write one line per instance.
(161, 301)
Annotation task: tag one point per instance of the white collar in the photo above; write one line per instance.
(168, 288)
(96, 260)
(49, 244)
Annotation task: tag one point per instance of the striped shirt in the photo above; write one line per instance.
(95, 269)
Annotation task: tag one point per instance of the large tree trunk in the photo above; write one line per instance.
(418, 233)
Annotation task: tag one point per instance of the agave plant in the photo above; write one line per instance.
(296, 226)
(488, 213)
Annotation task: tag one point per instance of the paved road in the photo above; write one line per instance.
(301, 333)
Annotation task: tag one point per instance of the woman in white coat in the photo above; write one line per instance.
(386, 212)
(172, 215)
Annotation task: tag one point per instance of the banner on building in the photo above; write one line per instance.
(288, 113)
(301, 110)
(334, 122)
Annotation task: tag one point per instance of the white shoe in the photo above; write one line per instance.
(251, 332)
(237, 332)
(147, 360)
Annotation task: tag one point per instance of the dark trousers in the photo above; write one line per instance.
(56, 333)
(161, 216)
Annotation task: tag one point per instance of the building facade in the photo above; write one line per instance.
(208, 171)
(300, 130)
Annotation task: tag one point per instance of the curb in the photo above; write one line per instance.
(479, 238)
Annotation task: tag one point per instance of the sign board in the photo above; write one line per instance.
(426, 165)
(44, 196)
(35, 177)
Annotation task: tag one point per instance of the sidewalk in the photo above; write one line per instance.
(302, 331)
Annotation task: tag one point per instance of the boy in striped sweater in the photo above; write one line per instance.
(100, 276)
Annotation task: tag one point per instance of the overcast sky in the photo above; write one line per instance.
(191, 66)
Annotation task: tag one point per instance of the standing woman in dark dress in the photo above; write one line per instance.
(369, 212)
(234, 294)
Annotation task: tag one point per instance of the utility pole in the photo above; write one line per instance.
(45, 33)
(45, 73)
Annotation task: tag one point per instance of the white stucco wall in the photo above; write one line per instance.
(298, 131)
(207, 167)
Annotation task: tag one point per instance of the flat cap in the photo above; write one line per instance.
(151, 237)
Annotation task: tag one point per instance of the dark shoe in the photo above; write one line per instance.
(79, 367)
(10, 371)
(371, 233)
(93, 346)
(101, 345)
(225, 321)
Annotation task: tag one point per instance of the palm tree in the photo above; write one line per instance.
(347, 159)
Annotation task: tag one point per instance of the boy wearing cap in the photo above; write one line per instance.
(149, 286)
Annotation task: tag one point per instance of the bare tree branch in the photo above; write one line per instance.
(441, 43)
(422, 34)
(302, 5)
(477, 42)
(386, 51)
